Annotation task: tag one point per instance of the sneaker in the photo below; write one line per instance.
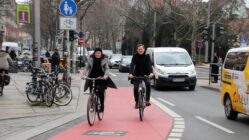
(136, 105)
(147, 103)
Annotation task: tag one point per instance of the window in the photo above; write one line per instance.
(236, 61)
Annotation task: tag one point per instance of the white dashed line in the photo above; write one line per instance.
(179, 123)
(167, 102)
(215, 125)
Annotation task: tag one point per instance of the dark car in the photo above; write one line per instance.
(115, 60)
(125, 62)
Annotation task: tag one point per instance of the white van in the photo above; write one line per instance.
(172, 66)
(11, 45)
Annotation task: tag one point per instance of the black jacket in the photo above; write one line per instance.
(140, 65)
(55, 60)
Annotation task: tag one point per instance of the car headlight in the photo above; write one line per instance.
(159, 71)
(192, 73)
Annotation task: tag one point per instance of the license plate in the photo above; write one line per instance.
(178, 80)
(19, 62)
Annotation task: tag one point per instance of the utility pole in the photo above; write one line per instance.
(206, 42)
(213, 41)
(37, 30)
(154, 31)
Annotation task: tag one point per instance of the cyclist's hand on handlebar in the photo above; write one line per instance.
(83, 77)
(151, 75)
(130, 76)
(105, 77)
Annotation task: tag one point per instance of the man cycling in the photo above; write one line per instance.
(5, 61)
(141, 66)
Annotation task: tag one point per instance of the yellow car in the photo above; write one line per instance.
(235, 82)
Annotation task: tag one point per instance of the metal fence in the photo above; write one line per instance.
(211, 75)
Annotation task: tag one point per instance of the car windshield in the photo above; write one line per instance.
(127, 60)
(173, 58)
(116, 56)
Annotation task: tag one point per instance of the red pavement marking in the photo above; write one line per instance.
(120, 115)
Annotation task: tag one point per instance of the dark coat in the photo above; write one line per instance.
(109, 84)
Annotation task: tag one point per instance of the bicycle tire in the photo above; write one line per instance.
(100, 114)
(31, 93)
(91, 109)
(141, 105)
(62, 94)
(49, 97)
(1, 86)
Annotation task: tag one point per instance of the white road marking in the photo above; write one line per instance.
(215, 125)
(179, 124)
(112, 74)
(165, 109)
(167, 102)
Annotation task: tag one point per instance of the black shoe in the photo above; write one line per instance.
(101, 110)
(136, 105)
(147, 103)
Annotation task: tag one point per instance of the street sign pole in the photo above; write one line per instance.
(68, 9)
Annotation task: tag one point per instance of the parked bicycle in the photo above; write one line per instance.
(141, 95)
(93, 103)
(2, 83)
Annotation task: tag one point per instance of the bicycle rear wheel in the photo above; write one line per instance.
(62, 94)
(141, 105)
(91, 109)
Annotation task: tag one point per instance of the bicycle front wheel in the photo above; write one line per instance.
(91, 109)
(141, 105)
(31, 92)
(62, 94)
(100, 114)
(49, 97)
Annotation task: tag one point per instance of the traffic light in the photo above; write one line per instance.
(81, 34)
(206, 33)
(220, 30)
(71, 35)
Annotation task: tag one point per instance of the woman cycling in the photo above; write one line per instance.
(98, 67)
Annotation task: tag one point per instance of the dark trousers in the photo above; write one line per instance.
(100, 87)
(136, 86)
(5, 71)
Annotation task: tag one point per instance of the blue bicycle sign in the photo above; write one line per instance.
(68, 8)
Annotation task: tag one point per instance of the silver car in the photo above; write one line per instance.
(115, 60)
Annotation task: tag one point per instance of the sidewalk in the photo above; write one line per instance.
(18, 117)
(203, 81)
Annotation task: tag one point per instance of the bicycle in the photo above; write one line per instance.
(61, 93)
(141, 95)
(93, 103)
(2, 83)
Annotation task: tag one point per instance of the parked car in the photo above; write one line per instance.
(108, 52)
(115, 60)
(125, 62)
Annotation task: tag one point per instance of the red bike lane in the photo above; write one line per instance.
(121, 121)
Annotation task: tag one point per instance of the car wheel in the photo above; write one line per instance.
(192, 87)
(230, 113)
